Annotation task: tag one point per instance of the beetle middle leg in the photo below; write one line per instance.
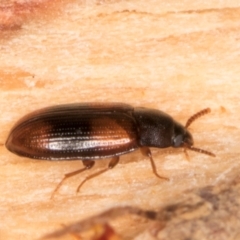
(147, 152)
(114, 161)
(88, 164)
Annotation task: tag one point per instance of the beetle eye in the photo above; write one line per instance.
(177, 141)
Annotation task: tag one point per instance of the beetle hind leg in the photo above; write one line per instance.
(88, 164)
(114, 161)
(147, 152)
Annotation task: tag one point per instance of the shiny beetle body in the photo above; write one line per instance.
(92, 131)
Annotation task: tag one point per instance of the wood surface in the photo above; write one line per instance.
(177, 56)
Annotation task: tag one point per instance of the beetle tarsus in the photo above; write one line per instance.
(147, 152)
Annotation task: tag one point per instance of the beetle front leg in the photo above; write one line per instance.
(147, 152)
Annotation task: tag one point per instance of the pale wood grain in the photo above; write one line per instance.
(177, 56)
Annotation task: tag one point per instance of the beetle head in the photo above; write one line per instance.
(183, 138)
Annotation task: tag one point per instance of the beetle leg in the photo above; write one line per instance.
(147, 152)
(186, 154)
(114, 161)
(87, 165)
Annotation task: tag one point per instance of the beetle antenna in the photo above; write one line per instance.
(189, 122)
(196, 116)
(201, 151)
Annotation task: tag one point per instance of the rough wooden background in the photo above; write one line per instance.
(177, 56)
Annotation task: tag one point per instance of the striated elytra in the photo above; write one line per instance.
(92, 131)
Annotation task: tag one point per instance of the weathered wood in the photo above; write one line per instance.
(177, 57)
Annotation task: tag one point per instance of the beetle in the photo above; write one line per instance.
(93, 131)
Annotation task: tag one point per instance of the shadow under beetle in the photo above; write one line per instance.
(92, 131)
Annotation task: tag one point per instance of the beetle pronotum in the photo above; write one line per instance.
(92, 131)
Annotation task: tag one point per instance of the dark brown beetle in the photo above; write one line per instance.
(93, 131)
